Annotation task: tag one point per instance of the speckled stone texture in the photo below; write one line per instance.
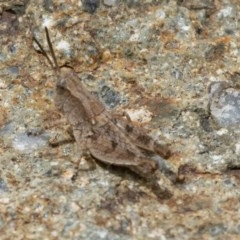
(171, 65)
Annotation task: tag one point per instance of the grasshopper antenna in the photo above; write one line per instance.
(55, 65)
(51, 50)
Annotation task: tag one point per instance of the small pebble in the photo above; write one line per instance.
(14, 70)
(110, 97)
(90, 6)
(109, 3)
(225, 106)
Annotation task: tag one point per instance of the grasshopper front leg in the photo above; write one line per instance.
(81, 136)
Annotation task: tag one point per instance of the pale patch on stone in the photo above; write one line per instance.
(237, 148)
(222, 131)
(48, 22)
(64, 46)
(3, 84)
(28, 143)
(140, 115)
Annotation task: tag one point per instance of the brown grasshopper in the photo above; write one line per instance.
(99, 133)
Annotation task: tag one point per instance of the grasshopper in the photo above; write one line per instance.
(99, 133)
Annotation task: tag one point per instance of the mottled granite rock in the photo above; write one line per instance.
(171, 65)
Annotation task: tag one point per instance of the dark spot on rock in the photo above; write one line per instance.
(144, 139)
(48, 5)
(212, 229)
(186, 169)
(198, 30)
(90, 6)
(229, 31)
(128, 52)
(8, 22)
(124, 194)
(217, 229)
(133, 3)
(215, 52)
(197, 5)
(205, 123)
(204, 119)
(20, 8)
(129, 128)
(12, 48)
(108, 204)
(110, 97)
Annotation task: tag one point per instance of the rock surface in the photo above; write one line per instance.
(174, 65)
